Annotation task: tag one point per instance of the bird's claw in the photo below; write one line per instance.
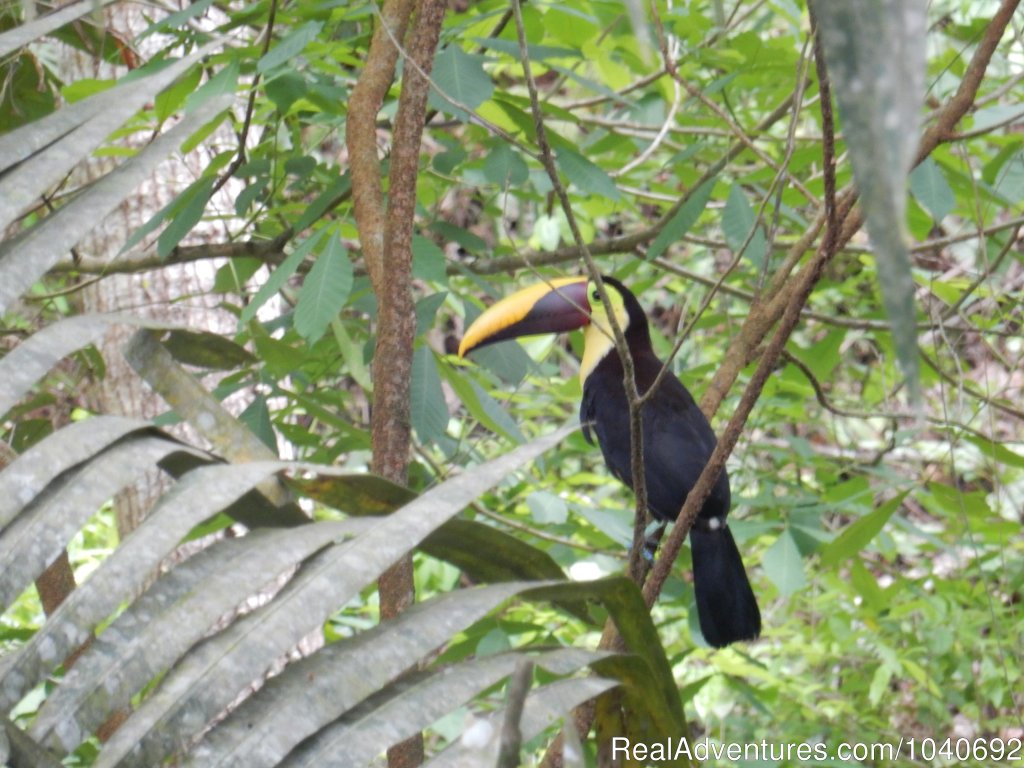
(652, 541)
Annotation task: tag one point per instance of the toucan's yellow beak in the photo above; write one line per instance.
(550, 307)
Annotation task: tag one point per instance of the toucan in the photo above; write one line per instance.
(677, 439)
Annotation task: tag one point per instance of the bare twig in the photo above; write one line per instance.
(243, 135)
(791, 316)
(511, 735)
(629, 380)
(972, 391)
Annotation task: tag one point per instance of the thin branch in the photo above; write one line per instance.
(710, 295)
(847, 413)
(791, 317)
(629, 380)
(764, 315)
(1007, 246)
(833, 320)
(942, 129)
(659, 137)
(540, 534)
(365, 102)
(243, 135)
(511, 734)
(737, 131)
(975, 393)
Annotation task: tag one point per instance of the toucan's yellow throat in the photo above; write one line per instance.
(563, 304)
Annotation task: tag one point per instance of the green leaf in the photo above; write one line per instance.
(994, 168)
(257, 417)
(324, 291)
(547, 233)
(507, 359)
(471, 242)
(547, 508)
(336, 190)
(177, 18)
(880, 680)
(461, 76)
(533, 52)
(784, 564)
(426, 311)
(682, 220)
(446, 162)
(195, 199)
(996, 451)
(482, 406)
(867, 587)
(168, 100)
(202, 134)
(585, 175)
(253, 192)
(224, 83)
(931, 189)
(496, 414)
(289, 47)
(859, 534)
(823, 356)
(279, 358)
(206, 350)
(738, 220)
(80, 89)
(875, 50)
(285, 89)
(503, 166)
(616, 524)
(280, 276)
(491, 556)
(429, 411)
(624, 603)
(428, 261)
(354, 494)
(353, 355)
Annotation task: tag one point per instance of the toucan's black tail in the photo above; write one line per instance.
(726, 605)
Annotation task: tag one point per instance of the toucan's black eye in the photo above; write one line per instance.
(595, 295)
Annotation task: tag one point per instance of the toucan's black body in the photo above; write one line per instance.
(677, 443)
(677, 439)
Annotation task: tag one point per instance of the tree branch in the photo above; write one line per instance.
(629, 379)
(386, 240)
(791, 317)
(361, 131)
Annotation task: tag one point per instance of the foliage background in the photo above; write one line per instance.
(885, 549)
